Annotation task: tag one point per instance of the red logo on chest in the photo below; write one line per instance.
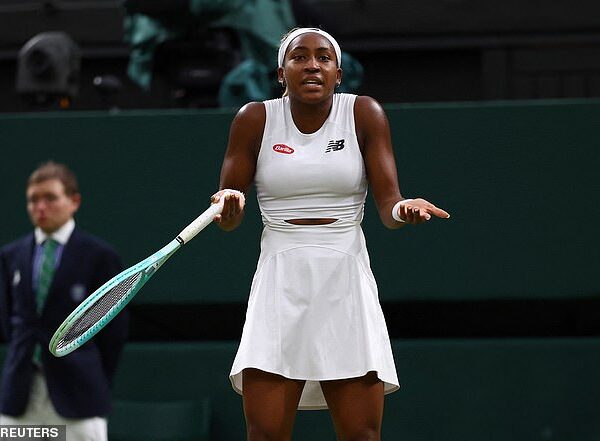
(282, 148)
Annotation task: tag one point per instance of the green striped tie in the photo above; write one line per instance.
(47, 267)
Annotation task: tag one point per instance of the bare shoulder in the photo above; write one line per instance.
(248, 126)
(366, 103)
(253, 114)
(369, 117)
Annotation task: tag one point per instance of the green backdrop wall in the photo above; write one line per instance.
(520, 180)
(452, 390)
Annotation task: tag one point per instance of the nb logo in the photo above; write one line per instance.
(334, 146)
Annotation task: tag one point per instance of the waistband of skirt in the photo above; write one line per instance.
(337, 225)
(342, 235)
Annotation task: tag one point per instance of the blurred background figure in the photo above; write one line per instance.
(43, 277)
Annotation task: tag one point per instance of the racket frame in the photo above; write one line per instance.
(148, 267)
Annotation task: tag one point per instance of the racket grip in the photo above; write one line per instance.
(198, 224)
(204, 219)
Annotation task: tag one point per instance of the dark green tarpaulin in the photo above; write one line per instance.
(259, 24)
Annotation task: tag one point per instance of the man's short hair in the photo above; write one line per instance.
(54, 170)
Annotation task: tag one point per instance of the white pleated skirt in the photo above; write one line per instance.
(313, 312)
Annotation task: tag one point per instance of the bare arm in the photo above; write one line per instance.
(374, 137)
(239, 164)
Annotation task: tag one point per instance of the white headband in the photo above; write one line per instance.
(300, 31)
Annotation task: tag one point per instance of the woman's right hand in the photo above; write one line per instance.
(233, 208)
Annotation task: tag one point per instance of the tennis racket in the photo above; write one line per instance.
(97, 310)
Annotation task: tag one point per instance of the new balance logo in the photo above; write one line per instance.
(334, 146)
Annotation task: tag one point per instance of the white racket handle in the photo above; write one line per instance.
(198, 224)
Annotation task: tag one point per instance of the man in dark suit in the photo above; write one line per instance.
(43, 277)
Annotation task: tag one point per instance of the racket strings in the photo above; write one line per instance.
(99, 309)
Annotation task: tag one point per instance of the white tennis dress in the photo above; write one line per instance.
(313, 312)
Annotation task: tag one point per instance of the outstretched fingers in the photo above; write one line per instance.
(439, 212)
(419, 210)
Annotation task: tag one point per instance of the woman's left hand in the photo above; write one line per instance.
(419, 210)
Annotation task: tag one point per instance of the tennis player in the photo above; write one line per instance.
(315, 336)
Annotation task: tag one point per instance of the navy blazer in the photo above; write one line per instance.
(78, 383)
